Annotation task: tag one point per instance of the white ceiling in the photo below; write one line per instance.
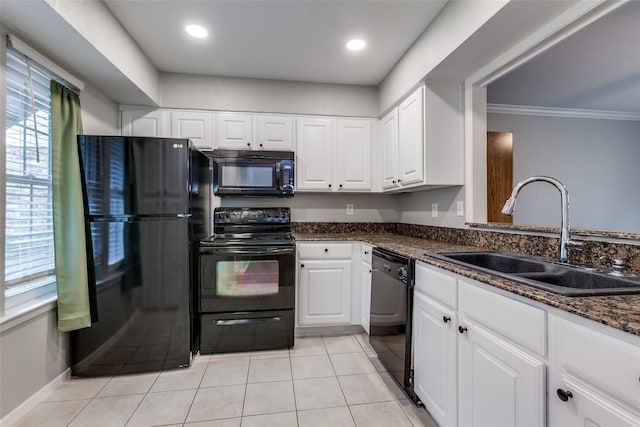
(597, 68)
(300, 40)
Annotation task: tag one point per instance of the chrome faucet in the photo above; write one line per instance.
(565, 240)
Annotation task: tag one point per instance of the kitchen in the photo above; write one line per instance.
(459, 45)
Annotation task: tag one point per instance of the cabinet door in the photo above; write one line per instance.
(390, 150)
(315, 144)
(274, 133)
(500, 385)
(235, 131)
(353, 155)
(194, 125)
(324, 292)
(411, 139)
(435, 358)
(588, 407)
(365, 305)
(154, 123)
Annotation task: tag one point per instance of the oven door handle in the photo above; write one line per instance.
(245, 321)
(253, 251)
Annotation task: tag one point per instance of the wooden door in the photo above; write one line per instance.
(499, 174)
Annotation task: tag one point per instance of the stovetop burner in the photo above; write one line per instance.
(250, 227)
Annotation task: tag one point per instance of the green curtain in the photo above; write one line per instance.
(68, 211)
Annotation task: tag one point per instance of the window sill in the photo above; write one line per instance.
(15, 316)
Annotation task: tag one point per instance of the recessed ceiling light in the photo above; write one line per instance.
(356, 44)
(196, 31)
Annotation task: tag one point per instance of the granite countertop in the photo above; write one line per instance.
(617, 311)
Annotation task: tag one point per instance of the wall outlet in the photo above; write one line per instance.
(460, 208)
(349, 208)
(434, 210)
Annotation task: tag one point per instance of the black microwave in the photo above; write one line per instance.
(253, 173)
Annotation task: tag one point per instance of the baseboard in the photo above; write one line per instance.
(21, 410)
(309, 331)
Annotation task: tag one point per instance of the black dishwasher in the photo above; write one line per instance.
(390, 316)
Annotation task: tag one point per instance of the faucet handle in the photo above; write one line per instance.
(575, 244)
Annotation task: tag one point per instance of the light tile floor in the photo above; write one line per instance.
(323, 381)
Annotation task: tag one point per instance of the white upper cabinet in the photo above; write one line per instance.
(237, 131)
(234, 131)
(314, 154)
(411, 139)
(194, 125)
(145, 122)
(274, 133)
(422, 139)
(390, 150)
(353, 154)
(334, 154)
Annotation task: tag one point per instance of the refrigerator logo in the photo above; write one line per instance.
(178, 146)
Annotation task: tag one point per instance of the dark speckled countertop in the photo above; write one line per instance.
(620, 312)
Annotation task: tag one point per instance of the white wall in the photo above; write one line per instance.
(100, 115)
(415, 208)
(457, 21)
(596, 159)
(273, 96)
(306, 207)
(31, 356)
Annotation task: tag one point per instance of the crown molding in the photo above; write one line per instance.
(574, 113)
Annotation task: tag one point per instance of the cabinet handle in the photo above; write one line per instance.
(301, 265)
(369, 270)
(326, 250)
(248, 144)
(340, 185)
(393, 182)
(564, 395)
(446, 319)
(261, 145)
(366, 252)
(329, 185)
(462, 329)
(399, 181)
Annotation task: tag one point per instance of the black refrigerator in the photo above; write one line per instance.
(146, 204)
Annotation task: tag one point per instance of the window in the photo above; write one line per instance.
(29, 251)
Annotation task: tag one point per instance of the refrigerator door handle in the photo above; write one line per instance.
(184, 215)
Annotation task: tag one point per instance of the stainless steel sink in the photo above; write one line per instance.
(562, 279)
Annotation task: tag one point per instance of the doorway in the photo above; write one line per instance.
(499, 174)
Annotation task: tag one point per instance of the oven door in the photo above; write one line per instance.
(247, 278)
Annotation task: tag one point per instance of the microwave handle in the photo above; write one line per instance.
(278, 184)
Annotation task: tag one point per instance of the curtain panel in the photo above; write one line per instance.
(72, 277)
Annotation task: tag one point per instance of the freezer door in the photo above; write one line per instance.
(143, 287)
(135, 175)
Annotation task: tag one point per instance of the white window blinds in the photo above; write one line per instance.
(29, 253)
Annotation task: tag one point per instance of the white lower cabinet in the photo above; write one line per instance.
(596, 380)
(500, 384)
(324, 284)
(467, 374)
(500, 361)
(435, 355)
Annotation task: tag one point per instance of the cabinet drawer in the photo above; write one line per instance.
(439, 285)
(324, 250)
(366, 252)
(521, 323)
(612, 364)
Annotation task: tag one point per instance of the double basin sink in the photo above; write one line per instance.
(554, 277)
